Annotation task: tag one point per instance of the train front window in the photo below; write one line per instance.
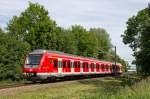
(34, 59)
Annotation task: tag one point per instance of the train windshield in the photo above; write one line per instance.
(34, 59)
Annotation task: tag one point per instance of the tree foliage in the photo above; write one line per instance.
(103, 40)
(137, 36)
(35, 27)
(85, 41)
(12, 54)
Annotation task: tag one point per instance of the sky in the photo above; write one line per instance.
(111, 15)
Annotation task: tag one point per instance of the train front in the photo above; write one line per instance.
(32, 65)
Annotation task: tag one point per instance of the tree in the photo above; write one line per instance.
(68, 43)
(35, 27)
(85, 41)
(104, 44)
(137, 36)
(12, 54)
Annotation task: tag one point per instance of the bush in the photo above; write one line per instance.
(12, 54)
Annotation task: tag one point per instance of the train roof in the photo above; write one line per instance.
(41, 51)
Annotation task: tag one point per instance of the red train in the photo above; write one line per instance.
(44, 64)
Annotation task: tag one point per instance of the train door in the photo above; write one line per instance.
(92, 67)
(85, 67)
(106, 66)
(102, 68)
(68, 69)
(97, 67)
(79, 65)
(66, 66)
(76, 66)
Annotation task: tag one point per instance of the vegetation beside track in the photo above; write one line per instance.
(129, 87)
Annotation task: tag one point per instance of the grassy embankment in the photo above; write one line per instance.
(10, 82)
(107, 88)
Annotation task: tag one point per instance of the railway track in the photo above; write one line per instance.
(10, 89)
(48, 82)
(52, 81)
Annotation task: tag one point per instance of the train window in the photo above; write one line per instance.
(102, 66)
(78, 64)
(64, 64)
(75, 64)
(106, 66)
(92, 65)
(68, 64)
(97, 66)
(87, 65)
(34, 59)
(83, 65)
(55, 63)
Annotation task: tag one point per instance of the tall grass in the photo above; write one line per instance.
(130, 88)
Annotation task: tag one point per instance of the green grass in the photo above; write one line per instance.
(10, 82)
(108, 88)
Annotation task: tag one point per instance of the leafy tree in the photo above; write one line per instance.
(137, 36)
(104, 44)
(85, 41)
(12, 54)
(68, 43)
(35, 27)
